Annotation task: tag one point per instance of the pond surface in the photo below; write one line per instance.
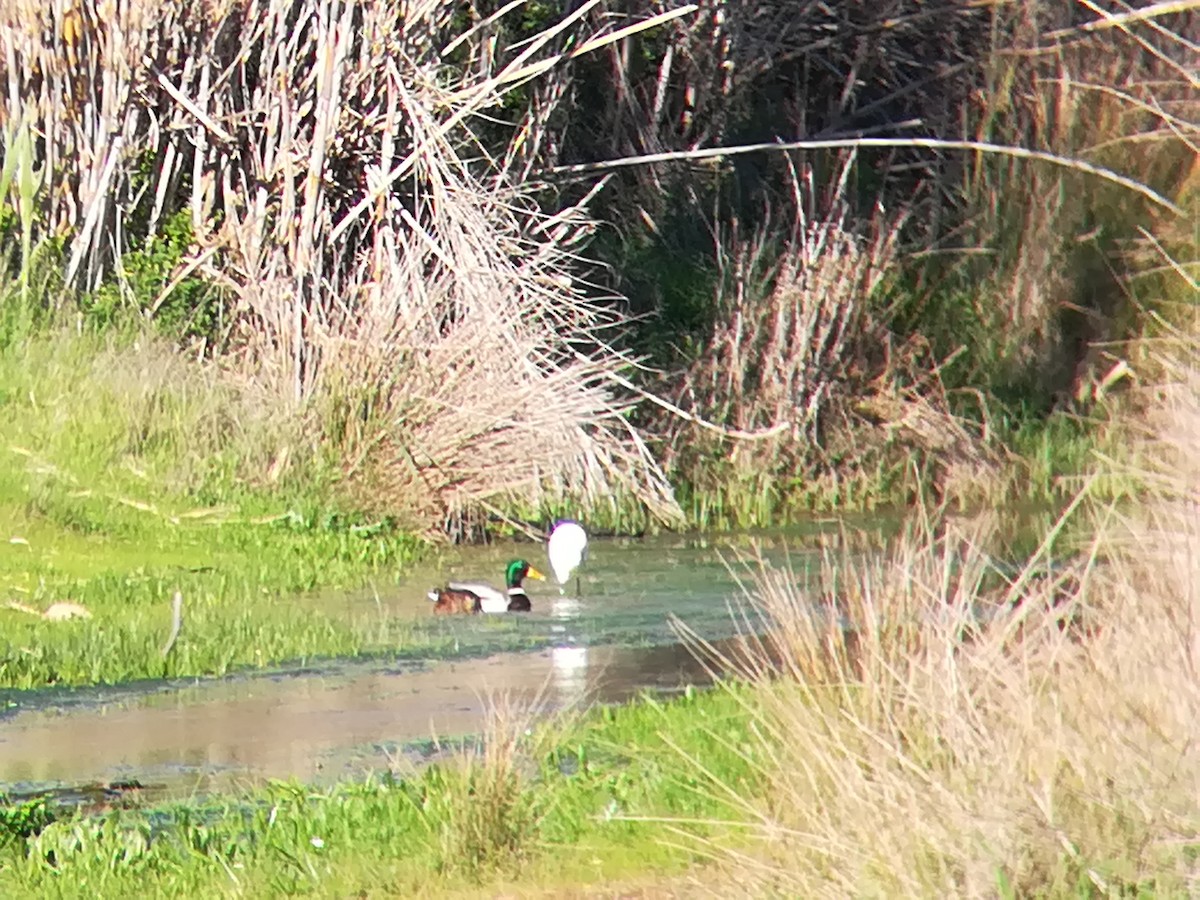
(603, 643)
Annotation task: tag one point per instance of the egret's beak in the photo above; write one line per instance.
(534, 573)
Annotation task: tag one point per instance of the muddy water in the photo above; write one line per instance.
(602, 643)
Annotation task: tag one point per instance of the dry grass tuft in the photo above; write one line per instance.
(386, 270)
(792, 324)
(905, 761)
(490, 823)
(935, 732)
(482, 389)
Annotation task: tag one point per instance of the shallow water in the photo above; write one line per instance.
(603, 643)
(317, 727)
(628, 589)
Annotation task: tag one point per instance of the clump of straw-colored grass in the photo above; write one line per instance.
(490, 823)
(915, 754)
(789, 344)
(393, 284)
(932, 731)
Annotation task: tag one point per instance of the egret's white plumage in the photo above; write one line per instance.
(567, 549)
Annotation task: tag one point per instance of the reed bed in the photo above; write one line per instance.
(387, 202)
(1002, 274)
(934, 729)
(387, 280)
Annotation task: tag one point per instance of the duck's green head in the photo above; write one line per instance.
(518, 570)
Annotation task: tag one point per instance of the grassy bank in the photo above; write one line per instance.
(1041, 750)
(129, 473)
(967, 735)
(545, 809)
(307, 289)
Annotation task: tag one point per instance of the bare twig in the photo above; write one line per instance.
(859, 143)
(182, 99)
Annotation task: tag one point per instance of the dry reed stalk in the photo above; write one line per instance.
(384, 270)
(978, 147)
(1029, 759)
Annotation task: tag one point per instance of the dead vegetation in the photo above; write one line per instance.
(793, 315)
(1021, 278)
(1031, 759)
(802, 370)
(390, 284)
(373, 191)
(933, 732)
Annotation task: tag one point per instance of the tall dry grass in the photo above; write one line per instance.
(919, 755)
(801, 379)
(1107, 83)
(787, 346)
(395, 283)
(793, 312)
(934, 730)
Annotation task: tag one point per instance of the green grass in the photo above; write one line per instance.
(563, 810)
(1055, 457)
(1048, 460)
(127, 473)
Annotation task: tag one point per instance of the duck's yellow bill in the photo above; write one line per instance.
(534, 573)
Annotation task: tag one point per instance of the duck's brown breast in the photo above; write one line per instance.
(452, 603)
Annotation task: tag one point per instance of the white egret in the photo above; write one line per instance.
(567, 549)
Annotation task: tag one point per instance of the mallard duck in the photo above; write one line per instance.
(567, 549)
(474, 596)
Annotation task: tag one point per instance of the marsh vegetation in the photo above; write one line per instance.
(293, 293)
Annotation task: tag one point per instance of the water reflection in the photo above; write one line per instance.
(570, 675)
(313, 727)
(565, 607)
